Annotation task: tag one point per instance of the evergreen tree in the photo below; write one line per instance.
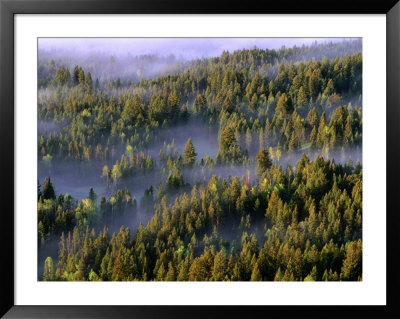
(264, 162)
(48, 189)
(92, 195)
(39, 190)
(256, 274)
(89, 80)
(228, 149)
(189, 154)
(352, 264)
(219, 272)
(48, 273)
(63, 76)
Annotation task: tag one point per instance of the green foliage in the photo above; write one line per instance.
(234, 91)
(300, 222)
(307, 219)
(63, 77)
(263, 162)
(48, 189)
(48, 272)
(228, 151)
(189, 154)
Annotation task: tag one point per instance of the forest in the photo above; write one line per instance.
(238, 167)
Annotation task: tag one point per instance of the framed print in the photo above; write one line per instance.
(167, 160)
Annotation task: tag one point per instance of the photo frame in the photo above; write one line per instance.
(7, 121)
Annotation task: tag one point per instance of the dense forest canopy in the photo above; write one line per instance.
(235, 167)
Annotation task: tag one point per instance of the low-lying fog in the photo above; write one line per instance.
(132, 59)
(76, 178)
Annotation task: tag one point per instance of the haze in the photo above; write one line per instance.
(182, 48)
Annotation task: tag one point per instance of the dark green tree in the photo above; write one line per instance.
(189, 154)
(264, 162)
(63, 77)
(48, 273)
(48, 189)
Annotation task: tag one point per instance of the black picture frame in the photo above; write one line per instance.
(8, 8)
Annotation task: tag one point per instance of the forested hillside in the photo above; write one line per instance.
(236, 167)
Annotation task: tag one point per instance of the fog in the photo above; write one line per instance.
(204, 138)
(109, 67)
(132, 59)
(181, 48)
(76, 178)
(46, 128)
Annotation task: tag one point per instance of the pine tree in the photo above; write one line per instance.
(278, 275)
(220, 266)
(264, 162)
(313, 138)
(228, 149)
(256, 274)
(81, 270)
(63, 77)
(92, 195)
(161, 273)
(200, 104)
(81, 76)
(283, 107)
(170, 273)
(301, 98)
(352, 264)
(173, 104)
(48, 189)
(48, 273)
(293, 143)
(189, 154)
(75, 75)
(39, 190)
(254, 103)
(313, 276)
(89, 80)
(197, 271)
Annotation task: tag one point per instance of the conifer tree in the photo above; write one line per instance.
(48, 189)
(189, 154)
(264, 161)
(48, 273)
